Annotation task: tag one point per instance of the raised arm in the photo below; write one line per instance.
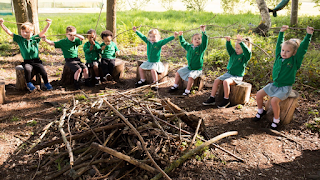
(79, 36)
(244, 47)
(45, 29)
(229, 47)
(5, 28)
(204, 43)
(51, 43)
(280, 39)
(302, 50)
(183, 42)
(143, 37)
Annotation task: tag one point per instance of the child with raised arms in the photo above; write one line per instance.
(154, 45)
(28, 44)
(92, 54)
(195, 52)
(109, 50)
(289, 55)
(239, 58)
(69, 47)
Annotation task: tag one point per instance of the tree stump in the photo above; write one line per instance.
(239, 94)
(67, 76)
(21, 80)
(148, 75)
(198, 82)
(118, 70)
(2, 92)
(287, 108)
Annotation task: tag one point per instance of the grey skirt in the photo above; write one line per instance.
(279, 92)
(236, 79)
(185, 73)
(158, 66)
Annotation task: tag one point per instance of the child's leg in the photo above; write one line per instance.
(259, 97)
(177, 79)
(226, 87)
(190, 83)
(215, 86)
(275, 103)
(39, 68)
(85, 73)
(76, 75)
(27, 72)
(141, 72)
(96, 70)
(111, 65)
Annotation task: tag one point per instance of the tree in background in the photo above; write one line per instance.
(197, 5)
(265, 22)
(111, 16)
(26, 10)
(167, 4)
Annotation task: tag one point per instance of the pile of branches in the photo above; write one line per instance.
(122, 135)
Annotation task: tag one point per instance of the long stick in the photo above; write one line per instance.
(95, 29)
(139, 136)
(190, 153)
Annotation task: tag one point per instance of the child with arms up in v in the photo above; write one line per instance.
(69, 47)
(239, 58)
(28, 44)
(154, 45)
(289, 56)
(91, 51)
(195, 52)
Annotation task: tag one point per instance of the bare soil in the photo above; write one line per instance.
(266, 155)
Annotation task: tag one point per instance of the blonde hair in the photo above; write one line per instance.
(154, 31)
(248, 42)
(295, 43)
(27, 26)
(70, 29)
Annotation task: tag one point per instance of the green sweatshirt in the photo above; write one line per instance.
(110, 51)
(154, 49)
(69, 48)
(237, 63)
(92, 55)
(29, 48)
(195, 54)
(284, 73)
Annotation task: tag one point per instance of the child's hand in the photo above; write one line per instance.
(134, 28)
(203, 28)
(103, 47)
(239, 38)
(44, 38)
(284, 28)
(49, 21)
(227, 38)
(91, 41)
(180, 33)
(176, 34)
(310, 30)
(1, 21)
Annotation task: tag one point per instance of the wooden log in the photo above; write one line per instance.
(239, 94)
(287, 108)
(161, 76)
(118, 70)
(21, 80)
(2, 92)
(67, 77)
(198, 83)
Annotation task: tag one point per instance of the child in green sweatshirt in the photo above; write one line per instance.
(289, 56)
(195, 52)
(239, 58)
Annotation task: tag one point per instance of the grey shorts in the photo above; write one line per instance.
(236, 79)
(279, 92)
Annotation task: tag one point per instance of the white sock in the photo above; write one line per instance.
(142, 80)
(175, 85)
(187, 91)
(260, 111)
(212, 96)
(276, 120)
(225, 98)
(97, 78)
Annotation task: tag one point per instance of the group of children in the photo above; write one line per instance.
(289, 56)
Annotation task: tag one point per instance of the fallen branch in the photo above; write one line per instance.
(63, 134)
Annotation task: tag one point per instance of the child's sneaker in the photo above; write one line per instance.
(185, 94)
(97, 82)
(140, 83)
(30, 86)
(76, 85)
(87, 82)
(210, 101)
(224, 103)
(173, 89)
(259, 116)
(107, 77)
(48, 86)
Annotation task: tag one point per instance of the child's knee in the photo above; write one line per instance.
(275, 101)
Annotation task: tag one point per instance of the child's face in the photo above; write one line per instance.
(107, 39)
(153, 37)
(70, 35)
(196, 40)
(27, 34)
(238, 49)
(287, 51)
(92, 36)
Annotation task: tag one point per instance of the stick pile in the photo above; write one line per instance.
(129, 135)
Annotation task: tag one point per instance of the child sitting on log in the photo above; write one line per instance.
(69, 47)
(239, 58)
(195, 52)
(109, 50)
(154, 45)
(28, 44)
(92, 54)
(289, 55)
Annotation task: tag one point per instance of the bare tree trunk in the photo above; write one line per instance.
(20, 11)
(294, 12)
(265, 23)
(32, 7)
(111, 16)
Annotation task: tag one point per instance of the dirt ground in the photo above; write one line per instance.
(296, 155)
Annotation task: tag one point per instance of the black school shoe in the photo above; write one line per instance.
(76, 85)
(259, 116)
(87, 82)
(154, 88)
(210, 101)
(140, 83)
(224, 103)
(173, 89)
(274, 126)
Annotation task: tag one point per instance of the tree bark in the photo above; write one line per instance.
(294, 13)
(265, 23)
(111, 17)
(32, 8)
(20, 12)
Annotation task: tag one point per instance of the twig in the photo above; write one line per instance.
(45, 129)
(37, 167)
(294, 28)
(95, 29)
(39, 111)
(195, 135)
(156, 122)
(139, 136)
